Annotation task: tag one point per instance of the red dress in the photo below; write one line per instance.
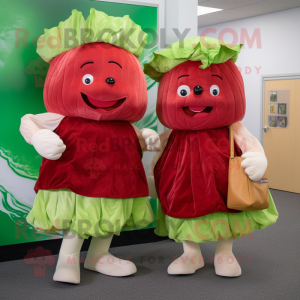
(191, 176)
(102, 159)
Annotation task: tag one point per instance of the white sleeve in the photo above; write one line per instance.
(245, 140)
(30, 124)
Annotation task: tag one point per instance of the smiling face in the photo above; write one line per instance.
(190, 98)
(96, 81)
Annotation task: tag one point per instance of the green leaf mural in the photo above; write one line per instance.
(23, 74)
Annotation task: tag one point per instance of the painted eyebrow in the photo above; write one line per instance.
(218, 76)
(183, 76)
(113, 62)
(90, 62)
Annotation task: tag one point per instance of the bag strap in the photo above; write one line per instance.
(231, 142)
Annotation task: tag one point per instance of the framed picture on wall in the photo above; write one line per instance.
(272, 121)
(273, 96)
(282, 108)
(272, 108)
(281, 121)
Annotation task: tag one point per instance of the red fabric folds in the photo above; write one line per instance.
(102, 159)
(191, 176)
(64, 86)
(227, 108)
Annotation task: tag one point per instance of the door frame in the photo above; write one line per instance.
(265, 78)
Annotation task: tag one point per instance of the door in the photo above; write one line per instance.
(282, 138)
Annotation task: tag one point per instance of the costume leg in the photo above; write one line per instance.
(189, 262)
(225, 261)
(100, 260)
(67, 268)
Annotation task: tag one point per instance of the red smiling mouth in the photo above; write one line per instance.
(199, 111)
(102, 105)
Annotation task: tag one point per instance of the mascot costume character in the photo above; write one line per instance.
(201, 93)
(92, 181)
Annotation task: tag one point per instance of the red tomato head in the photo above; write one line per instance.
(190, 98)
(96, 81)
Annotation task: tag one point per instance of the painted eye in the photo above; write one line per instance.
(87, 79)
(183, 91)
(214, 90)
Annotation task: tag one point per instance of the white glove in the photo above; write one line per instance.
(152, 189)
(48, 144)
(152, 139)
(255, 165)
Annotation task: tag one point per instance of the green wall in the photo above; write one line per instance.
(21, 92)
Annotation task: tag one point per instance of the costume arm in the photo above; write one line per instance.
(37, 130)
(245, 140)
(140, 137)
(148, 138)
(163, 142)
(30, 124)
(164, 137)
(255, 162)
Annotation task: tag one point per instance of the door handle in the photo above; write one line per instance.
(266, 128)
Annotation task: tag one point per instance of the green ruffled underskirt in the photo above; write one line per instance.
(88, 216)
(216, 225)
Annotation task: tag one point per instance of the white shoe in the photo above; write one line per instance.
(110, 265)
(227, 265)
(187, 263)
(67, 269)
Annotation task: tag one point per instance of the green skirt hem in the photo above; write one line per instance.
(218, 225)
(57, 210)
